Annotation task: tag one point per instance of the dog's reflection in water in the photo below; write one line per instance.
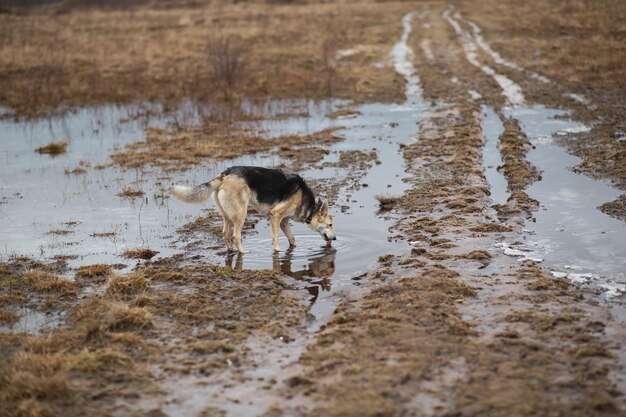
(317, 271)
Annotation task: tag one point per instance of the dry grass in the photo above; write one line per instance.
(479, 255)
(125, 318)
(175, 150)
(50, 59)
(128, 285)
(131, 193)
(206, 347)
(75, 171)
(491, 228)
(60, 232)
(103, 234)
(45, 282)
(7, 317)
(75, 369)
(93, 271)
(387, 201)
(142, 253)
(53, 149)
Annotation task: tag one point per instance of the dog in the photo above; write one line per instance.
(282, 197)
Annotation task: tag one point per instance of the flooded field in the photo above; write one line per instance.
(475, 263)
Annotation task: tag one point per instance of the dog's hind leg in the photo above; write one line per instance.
(234, 203)
(286, 228)
(227, 230)
(237, 228)
(227, 233)
(275, 224)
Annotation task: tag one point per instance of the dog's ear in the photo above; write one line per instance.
(323, 210)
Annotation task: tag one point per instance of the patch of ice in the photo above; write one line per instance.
(402, 57)
(578, 97)
(513, 252)
(574, 129)
(475, 95)
(557, 274)
(428, 52)
(542, 140)
(345, 53)
(581, 278)
(614, 290)
(454, 80)
(530, 258)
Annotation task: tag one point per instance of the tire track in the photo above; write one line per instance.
(511, 91)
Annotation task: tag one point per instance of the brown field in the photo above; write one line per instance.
(55, 57)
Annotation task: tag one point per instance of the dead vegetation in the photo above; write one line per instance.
(127, 285)
(46, 282)
(141, 253)
(96, 271)
(392, 337)
(53, 149)
(129, 192)
(387, 202)
(175, 150)
(205, 51)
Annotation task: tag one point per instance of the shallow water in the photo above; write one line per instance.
(492, 129)
(568, 232)
(40, 196)
(362, 233)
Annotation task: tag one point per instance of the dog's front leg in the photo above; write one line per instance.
(275, 224)
(286, 228)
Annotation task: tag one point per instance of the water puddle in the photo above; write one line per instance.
(34, 322)
(569, 233)
(493, 128)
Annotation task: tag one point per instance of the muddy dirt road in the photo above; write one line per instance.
(474, 272)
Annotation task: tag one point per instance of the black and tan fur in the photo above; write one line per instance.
(282, 197)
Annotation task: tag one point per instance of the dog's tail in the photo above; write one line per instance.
(196, 194)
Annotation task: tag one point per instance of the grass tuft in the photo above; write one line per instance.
(129, 192)
(128, 285)
(93, 271)
(206, 347)
(53, 148)
(145, 254)
(387, 201)
(124, 318)
(42, 281)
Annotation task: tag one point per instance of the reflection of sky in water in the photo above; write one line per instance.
(569, 229)
(492, 129)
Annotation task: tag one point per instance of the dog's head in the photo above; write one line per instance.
(322, 222)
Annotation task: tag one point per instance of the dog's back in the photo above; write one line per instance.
(270, 186)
